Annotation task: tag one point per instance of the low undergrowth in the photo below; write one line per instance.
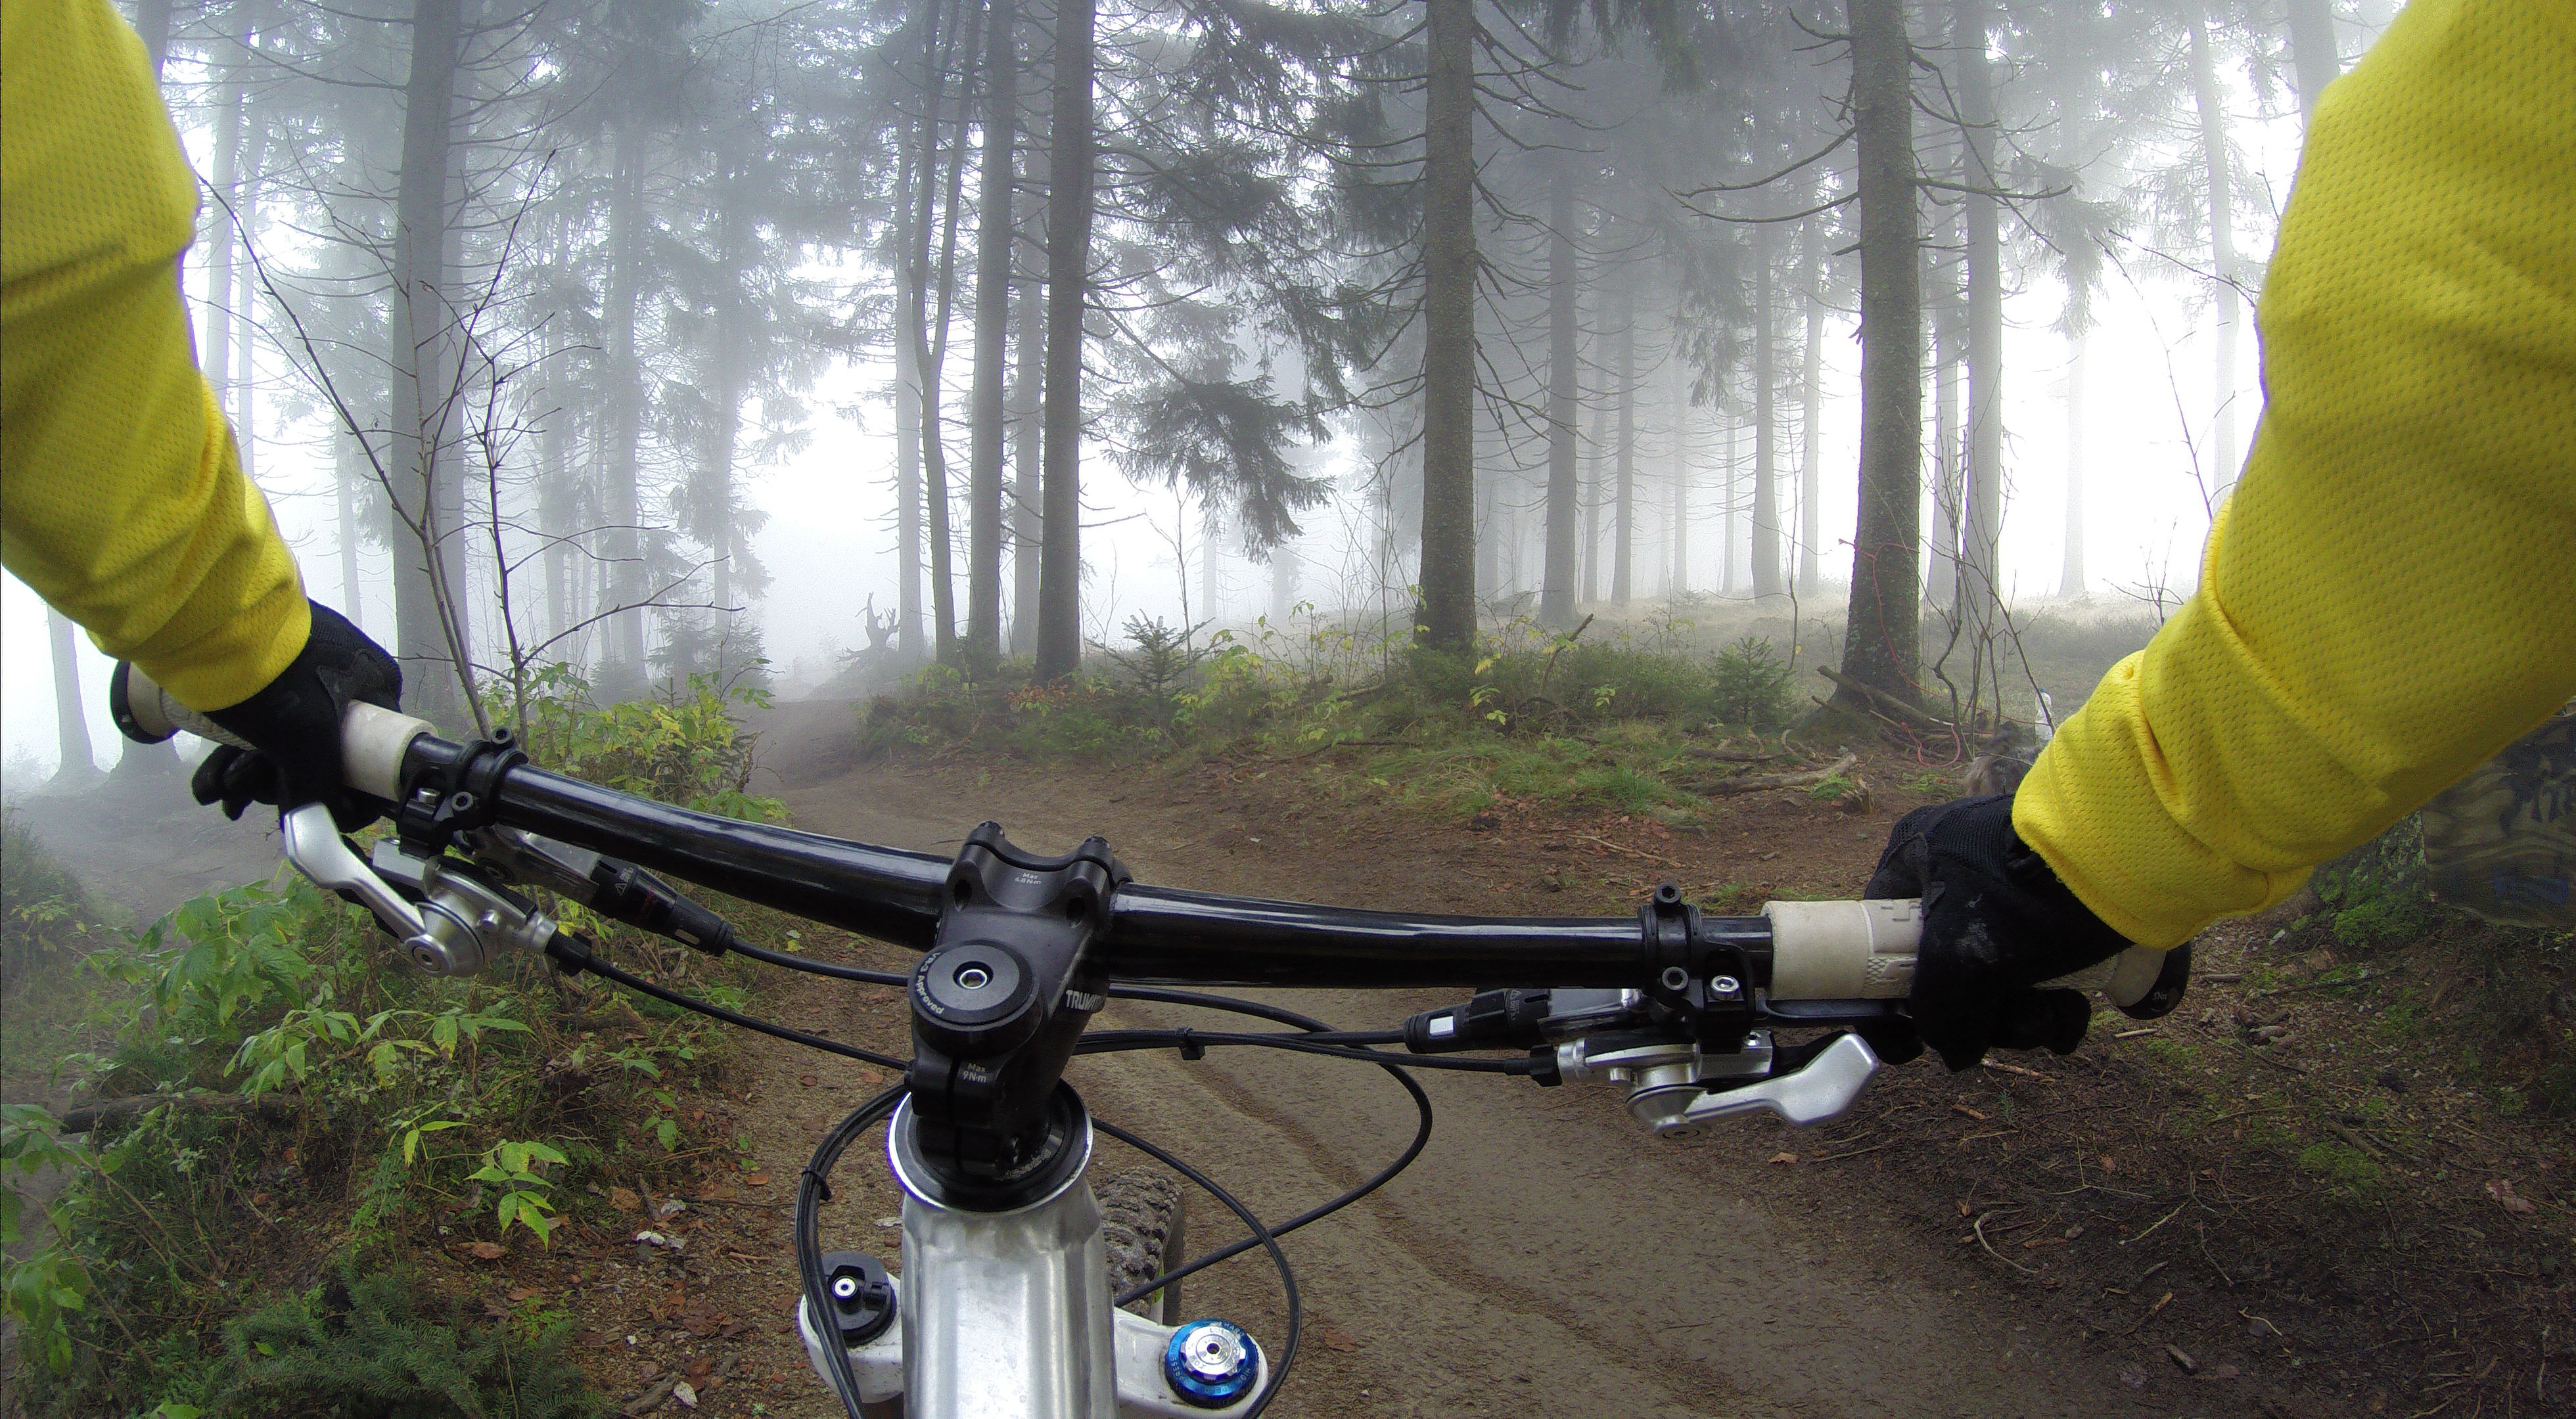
(293, 1151)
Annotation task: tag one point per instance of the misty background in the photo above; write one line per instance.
(604, 334)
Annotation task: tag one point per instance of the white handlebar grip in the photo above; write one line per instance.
(1844, 950)
(372, 740)
(1866, 950)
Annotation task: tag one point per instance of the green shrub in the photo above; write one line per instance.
(1750, 684)
(2375, 895)
(362, 1345)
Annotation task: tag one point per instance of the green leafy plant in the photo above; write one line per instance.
(363, 1345)
(512, 1166)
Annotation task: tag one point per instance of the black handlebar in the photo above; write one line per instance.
(1155, 935)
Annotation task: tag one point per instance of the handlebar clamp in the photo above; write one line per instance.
(443, 802)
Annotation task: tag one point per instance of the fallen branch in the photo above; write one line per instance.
(1733, 756)
(1758, 783)
(113, 1111)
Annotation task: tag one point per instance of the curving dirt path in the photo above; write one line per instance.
(1545, 1257)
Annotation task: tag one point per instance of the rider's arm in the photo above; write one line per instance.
(122, 499)
(2390, 595)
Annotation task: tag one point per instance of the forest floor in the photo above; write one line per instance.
(2176, 1219)
(2288, 1198)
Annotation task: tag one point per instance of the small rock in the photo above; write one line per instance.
(1783, 1158)
(660, 1239)
(2392, 1081)
(2188, 1365)
(670, 1207)
(686, 1393)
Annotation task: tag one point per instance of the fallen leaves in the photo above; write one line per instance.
(1782, 1158)
(2502, 1191)
(624, 1199)
(486, 1251)
(1337, 1340)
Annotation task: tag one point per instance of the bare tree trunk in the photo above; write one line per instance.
(152, 22)
(430, 626)
(1882, 633)
(2313, 53)
(71, 724)
(993, 233)
(1556, 587)
(1766, 416)
(1592, 498)
(1680, 407)
(350, 466)
(1981, 566)
(2222, 251)
(1448, 572)
(1727, 579)
(1072, 145)
(2070, 577)
(1025, 521)
(1623, 523)
(216, 348)
(1283, 583)
(1811, 540)
(1948, 336)
(622, 659)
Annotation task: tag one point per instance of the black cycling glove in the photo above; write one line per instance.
(1996, 922)
(294, 726)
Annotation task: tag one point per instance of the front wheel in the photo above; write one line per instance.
(1141, 1218)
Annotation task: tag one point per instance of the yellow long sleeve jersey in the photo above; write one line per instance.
(2390, 595)
(122, 499)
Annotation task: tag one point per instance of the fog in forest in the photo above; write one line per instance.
(661, 338)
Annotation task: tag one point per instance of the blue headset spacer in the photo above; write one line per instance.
(1211, 1363)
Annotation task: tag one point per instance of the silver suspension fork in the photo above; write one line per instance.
(1007, 1315)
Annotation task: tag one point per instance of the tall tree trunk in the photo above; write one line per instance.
(1881, 639)
(2070, 577)
(622, 660)
(1949, 339)
(71, 724)
(1811, 393)
(1766, 416)
(1448, 573)
(932, 335)
(907, 488)
(152, 22)
(1727, 579)
(1025, 519)
(1556, 588)
(431, 632)
(1981, 568)
(2222, 250)
(1072, 144)
(1283, 583)
(2313, 53)
(993, 233)
(216, 348)
(1623, 523)
(1595, 488)
(350, 465)
(246, 310)
(1680, 407)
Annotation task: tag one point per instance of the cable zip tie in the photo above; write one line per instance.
(1190, 1047)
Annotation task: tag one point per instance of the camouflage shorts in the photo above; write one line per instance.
(2501, 843)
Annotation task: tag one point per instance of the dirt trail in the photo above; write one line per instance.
(1545, 1257)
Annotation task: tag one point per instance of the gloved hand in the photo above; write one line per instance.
(295, 725)
(1996, 922)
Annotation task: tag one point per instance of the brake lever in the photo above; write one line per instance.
(315, 847)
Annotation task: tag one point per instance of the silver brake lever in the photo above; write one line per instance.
(313, 844)
(1821, 1090)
